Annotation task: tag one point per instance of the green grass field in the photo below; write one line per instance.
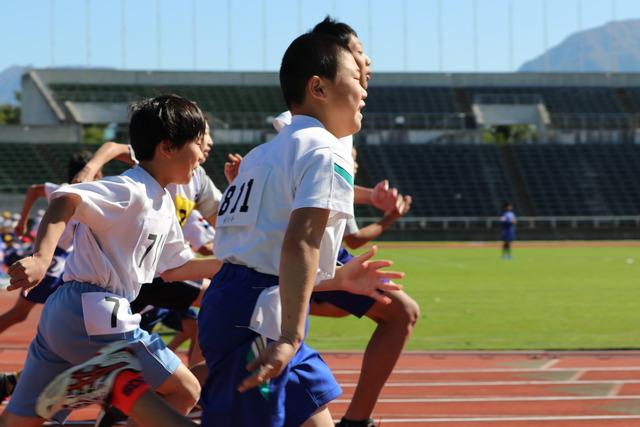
(545, 298)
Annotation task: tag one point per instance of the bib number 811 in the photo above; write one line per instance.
(229, 196)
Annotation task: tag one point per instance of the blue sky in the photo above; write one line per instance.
(400, 35)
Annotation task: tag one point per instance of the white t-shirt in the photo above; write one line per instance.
(284, 119)
(66, 240)
(303, 166)
(351, 227)
(200, 193)
(127, 231)
(197, 230)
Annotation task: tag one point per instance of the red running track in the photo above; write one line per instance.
(463, 389)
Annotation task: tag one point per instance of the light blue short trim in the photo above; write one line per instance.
(62, 341)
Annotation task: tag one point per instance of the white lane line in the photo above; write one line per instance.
(385, 421)
(498, 399)
(490, 370)
(496, 383)
(549, 364)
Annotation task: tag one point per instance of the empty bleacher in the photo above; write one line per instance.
(581, 180)
(454, 180)
(570, 107)
(444, 180)
(22, 165)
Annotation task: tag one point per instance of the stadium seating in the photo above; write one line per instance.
(570, 107)
(421, 107)
(446, 180)
(252, 106)
(581, 180)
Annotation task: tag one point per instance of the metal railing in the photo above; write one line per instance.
(537, 222)
(508, 98)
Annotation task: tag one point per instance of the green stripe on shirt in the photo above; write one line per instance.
(343, 173)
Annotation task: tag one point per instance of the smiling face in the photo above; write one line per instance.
(185, 160)
(345, 97)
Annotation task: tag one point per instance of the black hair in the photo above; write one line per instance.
(311, 54)
(339, 30)
(505, 205)
(166, 117)
(76, 162)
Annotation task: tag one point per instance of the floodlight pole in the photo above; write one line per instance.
(612, 61)
(123, 17)
(545, 40)
(440, 42)
(370, 25)
(475, 34)
(229, 36)
(194, 32)
(88, 32)
(158, 34)
(299, 16)
(52, 33)
(580, 36)
(405, 36)
(264, 35)
(511, 40)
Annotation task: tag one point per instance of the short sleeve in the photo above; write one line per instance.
(49, 188)
(351, 227)
(208, 196)
(176, 251)
(132, 154)
(320, 182)
(102, 203)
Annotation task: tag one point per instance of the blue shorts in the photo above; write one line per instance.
(62, 342)
(508, 236)
(52, 280)
(306, 384)
(358, 305)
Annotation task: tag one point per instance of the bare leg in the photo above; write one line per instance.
(151, 411)
(7, 419)
(18, 313)
(181, 390)
(395, 324)
(321, 418)
(200, 371)
(188, 332)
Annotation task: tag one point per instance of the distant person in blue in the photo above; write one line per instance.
(508, 224)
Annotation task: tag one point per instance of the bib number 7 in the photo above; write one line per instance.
(106, 313)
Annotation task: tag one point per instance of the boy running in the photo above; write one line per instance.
(127, 230)
(279, 229)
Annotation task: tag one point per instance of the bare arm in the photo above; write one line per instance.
(212, 219)
(29, 271)
(107, 152)
(362, 276)
(372, 231)
(381, 196)
(194, 269)
(298, 269)
(206, 249)
(33, 193)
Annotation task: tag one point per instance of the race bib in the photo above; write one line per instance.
(241, 201)
(106, 313)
